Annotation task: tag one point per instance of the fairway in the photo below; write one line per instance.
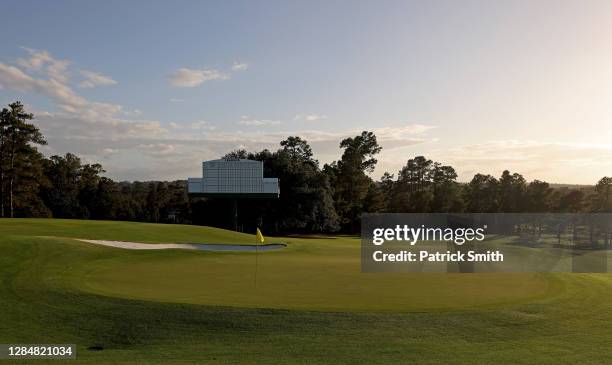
(158, 306)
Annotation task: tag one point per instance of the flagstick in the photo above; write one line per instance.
(256, 256)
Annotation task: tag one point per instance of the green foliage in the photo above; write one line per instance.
(350, 180)
(602, 200)
(424, 186)
(538, 195)
(65, 188)
(572, 201)
(481, 194)
(512, 193)
(20, 163)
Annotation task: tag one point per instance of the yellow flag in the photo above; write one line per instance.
(260, 236)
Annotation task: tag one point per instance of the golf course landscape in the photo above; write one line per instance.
(308, 303)
(306, 182)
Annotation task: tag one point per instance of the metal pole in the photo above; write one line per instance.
(256, 258)
(234, 214)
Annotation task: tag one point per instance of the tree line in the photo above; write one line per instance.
(314, 198)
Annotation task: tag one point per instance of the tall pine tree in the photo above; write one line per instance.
(20, 161)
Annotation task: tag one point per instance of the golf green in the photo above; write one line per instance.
(310, 274)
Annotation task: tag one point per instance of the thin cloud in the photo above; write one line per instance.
(245, 120)
(93, 79)
(50, 78)
(158, 149)
(108, 151)
(41, 60)
(67, 100)
(186, 77)
(240, 66)
(310, 117)
(202, 125)
(133, 113)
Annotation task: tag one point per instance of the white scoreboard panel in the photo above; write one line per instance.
(233, 177)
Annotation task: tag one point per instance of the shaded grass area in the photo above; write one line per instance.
(42, 303)
(122, 231)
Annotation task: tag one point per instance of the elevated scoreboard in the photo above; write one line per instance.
(233, 178)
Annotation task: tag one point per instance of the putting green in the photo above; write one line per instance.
(311, 274)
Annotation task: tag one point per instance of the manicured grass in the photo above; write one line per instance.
(311, 274)
(202, 307)
(121, 231)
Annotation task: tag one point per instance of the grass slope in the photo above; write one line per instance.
(121, 231)
(48, 295)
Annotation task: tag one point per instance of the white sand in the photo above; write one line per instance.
(184, 246)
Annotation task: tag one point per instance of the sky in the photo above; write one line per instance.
(151, 89)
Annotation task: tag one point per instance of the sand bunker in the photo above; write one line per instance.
(186, 246)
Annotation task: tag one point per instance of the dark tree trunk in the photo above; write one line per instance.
(11, 179)
(11, 196)
(1, 190)
(2, 174)
(12, 172)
